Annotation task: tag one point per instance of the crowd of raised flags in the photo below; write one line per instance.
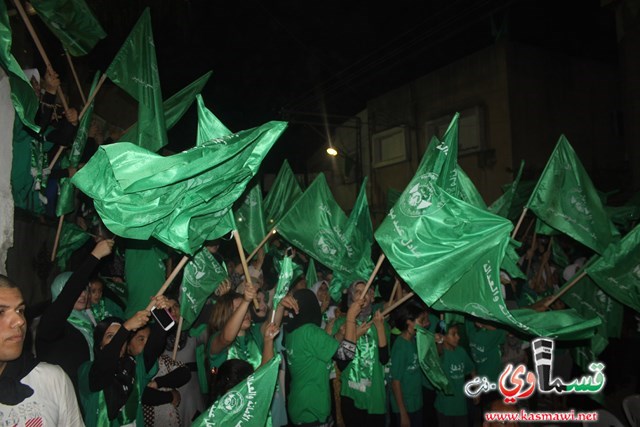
(439, 236)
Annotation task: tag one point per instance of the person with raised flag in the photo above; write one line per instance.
(310, 354)
(363, 394)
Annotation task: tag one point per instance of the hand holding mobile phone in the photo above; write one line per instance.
(163, 317)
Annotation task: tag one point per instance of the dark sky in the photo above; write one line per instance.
(270, 56)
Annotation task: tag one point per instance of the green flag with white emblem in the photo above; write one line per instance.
(72, 22)
(566, 200)
(283, 194)
(182, 200)
(617, 272)
(135, 70)
(316, 225)
(250, 218)
(284, 280)
(247, 404)
(202, 276)
(430, 361)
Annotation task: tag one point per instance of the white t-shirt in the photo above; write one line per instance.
(53, 402)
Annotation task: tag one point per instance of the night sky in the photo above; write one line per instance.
(273, 59)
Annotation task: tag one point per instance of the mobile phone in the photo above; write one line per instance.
(163, 317)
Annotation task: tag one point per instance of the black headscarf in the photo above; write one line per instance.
(309, 311)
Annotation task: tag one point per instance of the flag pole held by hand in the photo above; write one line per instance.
(373, 275)
(245, 266)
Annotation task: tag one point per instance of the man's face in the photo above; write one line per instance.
(13, 325)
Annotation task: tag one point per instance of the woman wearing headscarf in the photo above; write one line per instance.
(310, 353)
(65, 333)
(111, 386)
(328, 311)
(363, 396)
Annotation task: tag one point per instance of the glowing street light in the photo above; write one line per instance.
(332, 151)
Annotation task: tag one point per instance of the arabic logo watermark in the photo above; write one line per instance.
(517, 383)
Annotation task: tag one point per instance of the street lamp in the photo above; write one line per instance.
(332, 152)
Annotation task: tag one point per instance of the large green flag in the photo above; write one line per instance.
(617, 272)
(72, 238)
(182, 199)
(175, 107)
(510, 261)
(23, 95)
(209, 126)
(247, 404)
(311, 276)
(72, 22)
(432, 238)
(65, 198)
(430, 361)
(623, 216)
(316, 225)
(202, 276)
(468, 192)
(283, 194)
(502, 206)
(566, 200)
(135, 70)
(285, 276)
(249, 218)
(479, 294)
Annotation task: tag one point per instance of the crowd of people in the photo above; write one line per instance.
(90, 357)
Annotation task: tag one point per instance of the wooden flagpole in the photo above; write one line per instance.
(522, 215)
(373, 275)
(178, 333)
(565, 289)
(172, 276)
(75, 77)
(57, 239)
(397, 303)
(245, 266)
(266, 238)
(92, 96)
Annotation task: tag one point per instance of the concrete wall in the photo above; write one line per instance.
(551, 94)
(477, 80)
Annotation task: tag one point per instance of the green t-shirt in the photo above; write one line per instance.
(485, 346)
(363, 379)
(405, 368)
(247, 347)
(456, 365)
(309, 353)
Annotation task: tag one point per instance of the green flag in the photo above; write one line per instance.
(566, 200)
(502, 206)
(316, 225)
(430, 361)
(510, 261)
(247, 404)
(209, 126)
(468, 192)
(202, 276)
(558, 255)
(249, 218)
(311, 276)
(182, 199)
(623, 216)
(392, 197)
(283, 194)
(23, 96)
(520, 197)
(72, 22)
(65, 198)
(359, 232)
(135, 70)
(432, 238)
(175, 107)
(72, 238)
(617, 272)
(284, 280)
(479, 294)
